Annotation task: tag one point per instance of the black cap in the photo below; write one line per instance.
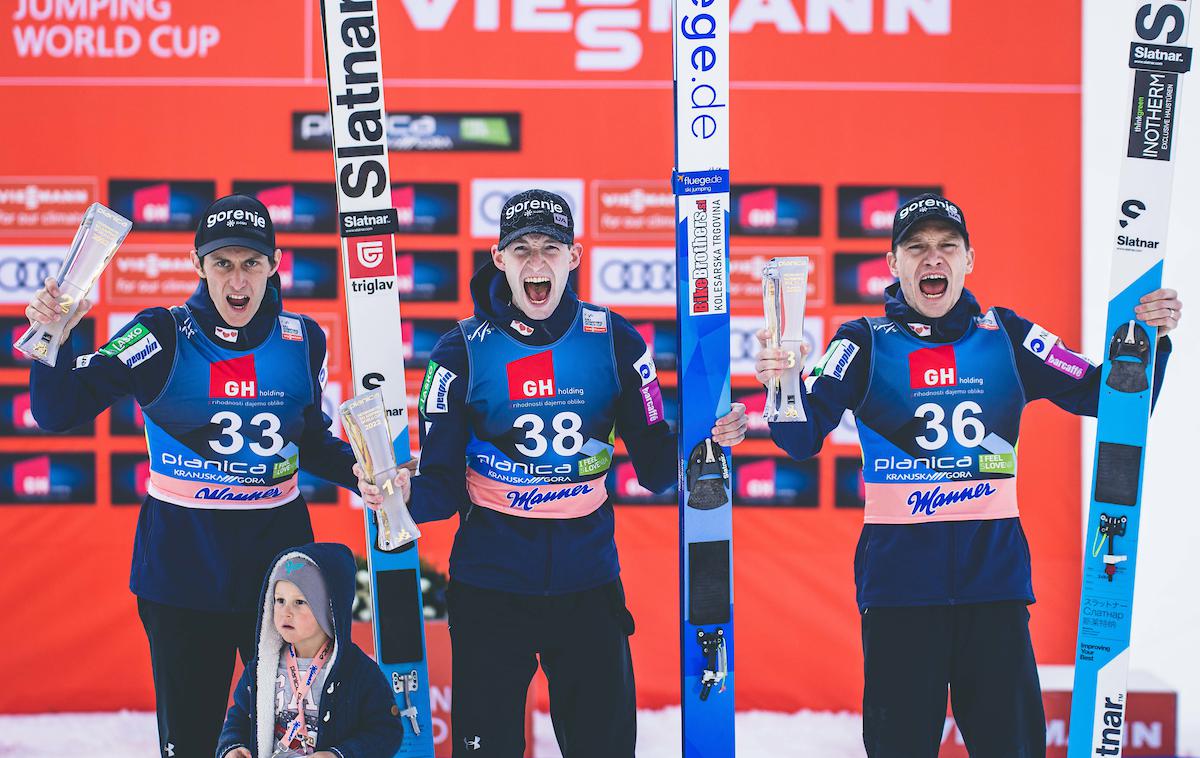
(927, 207)
(236, 220)
(536, 212)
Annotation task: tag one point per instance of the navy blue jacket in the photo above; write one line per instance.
(358, 714)
(522, 555)
(942, 562)
(189, 557)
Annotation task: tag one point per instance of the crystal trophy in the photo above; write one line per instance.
(366, 422)
(100, 234)
(785, 288)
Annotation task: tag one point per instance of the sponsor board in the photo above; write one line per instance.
(632, 210)
(432, 132)
(126, 419)
(426, 208)
(662, 340)
(428, 276)
(47, 478)
(776, 482)
(743, 345)
(16, 415)
(633, 276)
(159, 273)
(36, 205)
(295, 206)
(860, 278)
(867, 211)
(161, 205)
(129, 477)
(24, 268)
(420, 336)
(623, 483)
(745, 275)
(848, 488)
(784, 210)
(489, 195)
(82, 340)
(309, 272)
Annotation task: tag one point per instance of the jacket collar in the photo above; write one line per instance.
(948, 328)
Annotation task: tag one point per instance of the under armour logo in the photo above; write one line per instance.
(169, 750)
(473, 743)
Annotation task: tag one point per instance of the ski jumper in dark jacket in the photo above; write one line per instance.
(518, 419)
(942, 567)
(357, 713)
(232, 414)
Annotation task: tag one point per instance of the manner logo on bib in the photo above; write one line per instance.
(532, 377)
(932, 367)
(234, 378)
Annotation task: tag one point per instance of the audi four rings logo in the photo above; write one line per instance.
(370, 254)
(26, 274)
(639, 276)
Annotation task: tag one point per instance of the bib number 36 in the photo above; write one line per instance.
(968, 431)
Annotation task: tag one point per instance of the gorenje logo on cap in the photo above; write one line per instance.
(533, 205)
(236, 217)
(929, 203)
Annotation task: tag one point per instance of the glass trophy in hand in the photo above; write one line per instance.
(100, 234)
(366, 422)
(785, 288)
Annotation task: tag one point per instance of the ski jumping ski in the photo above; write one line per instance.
(366, 222)
(701, 187)
(1158, 57)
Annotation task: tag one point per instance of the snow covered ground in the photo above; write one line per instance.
(132, 735)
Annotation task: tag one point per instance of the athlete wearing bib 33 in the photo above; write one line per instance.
(230, 389)
(942, 570)
(519, 411)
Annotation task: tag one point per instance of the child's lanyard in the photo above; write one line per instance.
(301, 689)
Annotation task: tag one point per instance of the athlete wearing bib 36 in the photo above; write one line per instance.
(942, 570)
(519, 410)
(230, 389)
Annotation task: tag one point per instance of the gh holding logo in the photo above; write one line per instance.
(532, 377)
(234, 378)
(932, 367)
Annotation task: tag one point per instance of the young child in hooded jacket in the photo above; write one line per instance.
(310, 691)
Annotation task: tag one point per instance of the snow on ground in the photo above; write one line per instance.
(132, 735)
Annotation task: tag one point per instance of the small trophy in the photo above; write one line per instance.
(100, 234)
(365, 419)
(785, 287)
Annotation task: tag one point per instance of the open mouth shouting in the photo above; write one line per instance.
(933, 285)
(537, 289)
(239, 303)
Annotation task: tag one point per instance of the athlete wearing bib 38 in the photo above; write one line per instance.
(519, 410)
(230, 388)
(937, 387)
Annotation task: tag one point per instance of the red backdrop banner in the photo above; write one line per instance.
(841, 109)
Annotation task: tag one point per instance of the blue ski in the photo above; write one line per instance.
(701, 186)
(1158, 58)
(366, 221)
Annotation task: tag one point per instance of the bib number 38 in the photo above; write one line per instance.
(566, 440)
